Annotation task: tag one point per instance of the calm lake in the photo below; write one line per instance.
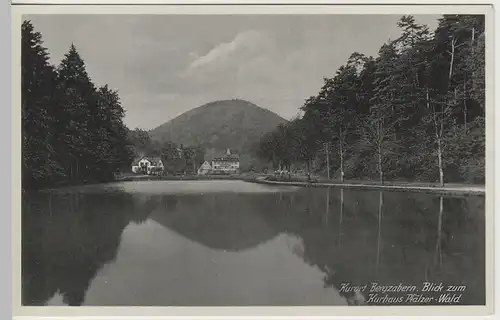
(233, 243)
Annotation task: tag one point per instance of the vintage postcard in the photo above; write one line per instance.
(252, 160)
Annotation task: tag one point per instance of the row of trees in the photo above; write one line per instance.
(416, 111)
(72, 130)
(175, 158)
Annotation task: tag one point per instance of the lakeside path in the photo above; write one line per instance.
(450, 190)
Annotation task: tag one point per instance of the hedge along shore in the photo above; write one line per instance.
(462, 190)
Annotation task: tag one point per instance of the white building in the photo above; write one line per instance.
(147, 165)
(228, 163)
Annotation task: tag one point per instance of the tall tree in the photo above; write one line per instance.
(76, 107)
(38, 117)
(114, 152)
(379, 127)
(342, 99)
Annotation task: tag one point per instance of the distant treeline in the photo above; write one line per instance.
(414, 112)
(72, 131)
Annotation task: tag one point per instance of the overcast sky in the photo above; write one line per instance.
(164, 65)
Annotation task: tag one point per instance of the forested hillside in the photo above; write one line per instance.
(414, 112)
(72, 131)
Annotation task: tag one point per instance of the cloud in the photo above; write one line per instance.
(245, 43)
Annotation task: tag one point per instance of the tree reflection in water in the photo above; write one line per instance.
(412, 224)
(355, 237)
(64, 247)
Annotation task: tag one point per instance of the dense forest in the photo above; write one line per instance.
(72, 131)
(414, 112)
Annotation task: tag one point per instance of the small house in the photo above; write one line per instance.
(140, 164)
(147, 164)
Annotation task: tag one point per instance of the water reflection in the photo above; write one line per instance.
(68, 238)
(439, 255)
(233, 222)
(64, 247)
(327, 213)
(341, 215)
(381, 201)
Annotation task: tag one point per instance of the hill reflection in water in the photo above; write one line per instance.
(244, 248)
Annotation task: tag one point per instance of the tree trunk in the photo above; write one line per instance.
(341, 154)
(380, 171)
(453, 42)
(438, 134)
(308, 168)
(327, 161)
(393, 116)
(379, 150)
(78, 170)
(465, 109)
(440, 164)
(472, 55)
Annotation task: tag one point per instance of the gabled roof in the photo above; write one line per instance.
(205, 165)
(138, 159)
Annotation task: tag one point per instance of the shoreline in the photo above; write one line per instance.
(178, 178)
(465, 190)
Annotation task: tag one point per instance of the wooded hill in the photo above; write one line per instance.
(216, 126)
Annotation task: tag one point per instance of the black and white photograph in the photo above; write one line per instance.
(229, 160)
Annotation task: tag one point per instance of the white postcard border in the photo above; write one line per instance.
(16, 15)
